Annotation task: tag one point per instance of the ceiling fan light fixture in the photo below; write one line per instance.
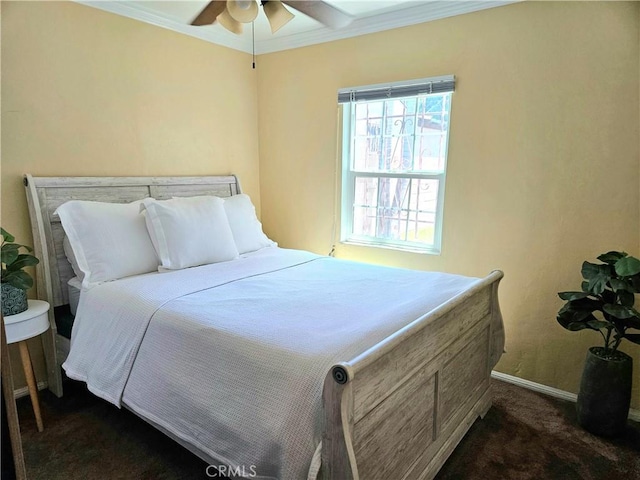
(243, 11)
(230, 23)
(277, 14)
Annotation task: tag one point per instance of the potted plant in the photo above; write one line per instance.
(606, 305)
(15, 281)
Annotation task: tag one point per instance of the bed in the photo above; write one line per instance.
(368, 382)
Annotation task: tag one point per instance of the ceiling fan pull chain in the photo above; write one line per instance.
(253, 43)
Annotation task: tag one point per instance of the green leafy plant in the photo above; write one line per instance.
(606, 302)
(13, 262)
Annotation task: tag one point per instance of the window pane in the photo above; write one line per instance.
(367, 154)
(396, 154)
(364, 221)
(401, 135)
(432, 133)
(407, 209)
(393, 192)
(425, 228)
(400, 117)
(432, 151)
(388, 140)
(369, 109)
(423, 207)
(369, 127)
(424, 195)
(392, 198)
(366, 192)
(395, 209)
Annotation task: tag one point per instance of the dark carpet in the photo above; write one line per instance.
(524, 436)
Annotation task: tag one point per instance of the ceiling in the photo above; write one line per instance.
(369, 16)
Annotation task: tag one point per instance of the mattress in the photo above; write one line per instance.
(64, 322)
(74, 286)
(65, 314)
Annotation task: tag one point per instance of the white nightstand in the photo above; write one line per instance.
(30, 323)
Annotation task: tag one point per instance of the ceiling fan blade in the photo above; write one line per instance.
(209, 14)
(322, 12)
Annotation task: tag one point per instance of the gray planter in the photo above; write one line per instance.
(14, 300)
(605, 393)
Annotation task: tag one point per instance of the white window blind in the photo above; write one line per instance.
(423, 86)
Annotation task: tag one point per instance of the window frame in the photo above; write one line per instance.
(348, 187)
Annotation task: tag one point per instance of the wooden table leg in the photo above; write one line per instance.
(31, 382)
(10, 404)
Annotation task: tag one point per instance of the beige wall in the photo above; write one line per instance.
(85, 92)
(543, 161)
(544, 156)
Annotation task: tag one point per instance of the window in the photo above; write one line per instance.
(394, 158)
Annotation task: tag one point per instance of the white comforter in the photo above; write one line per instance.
(230, 358)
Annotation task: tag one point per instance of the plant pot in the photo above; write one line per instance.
(605, 393)
(13, 299)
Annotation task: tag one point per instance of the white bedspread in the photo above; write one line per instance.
(230, 358)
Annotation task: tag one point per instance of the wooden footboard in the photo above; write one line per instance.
(399, 409)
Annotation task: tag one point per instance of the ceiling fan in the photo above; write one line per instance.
(231, 14)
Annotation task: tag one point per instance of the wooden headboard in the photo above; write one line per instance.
(45, 194)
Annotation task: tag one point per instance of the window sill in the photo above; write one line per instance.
(399, 248)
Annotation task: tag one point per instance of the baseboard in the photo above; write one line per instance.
(520, 382)
(552, 392)
(24, 391)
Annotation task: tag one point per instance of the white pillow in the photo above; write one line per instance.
(190, 231)
(246, 228)
(68, 251)
(109, 240)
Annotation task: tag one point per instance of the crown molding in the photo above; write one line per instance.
(217, 36)
(427, 11)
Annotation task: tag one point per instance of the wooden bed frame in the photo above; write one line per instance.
(396, 411)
